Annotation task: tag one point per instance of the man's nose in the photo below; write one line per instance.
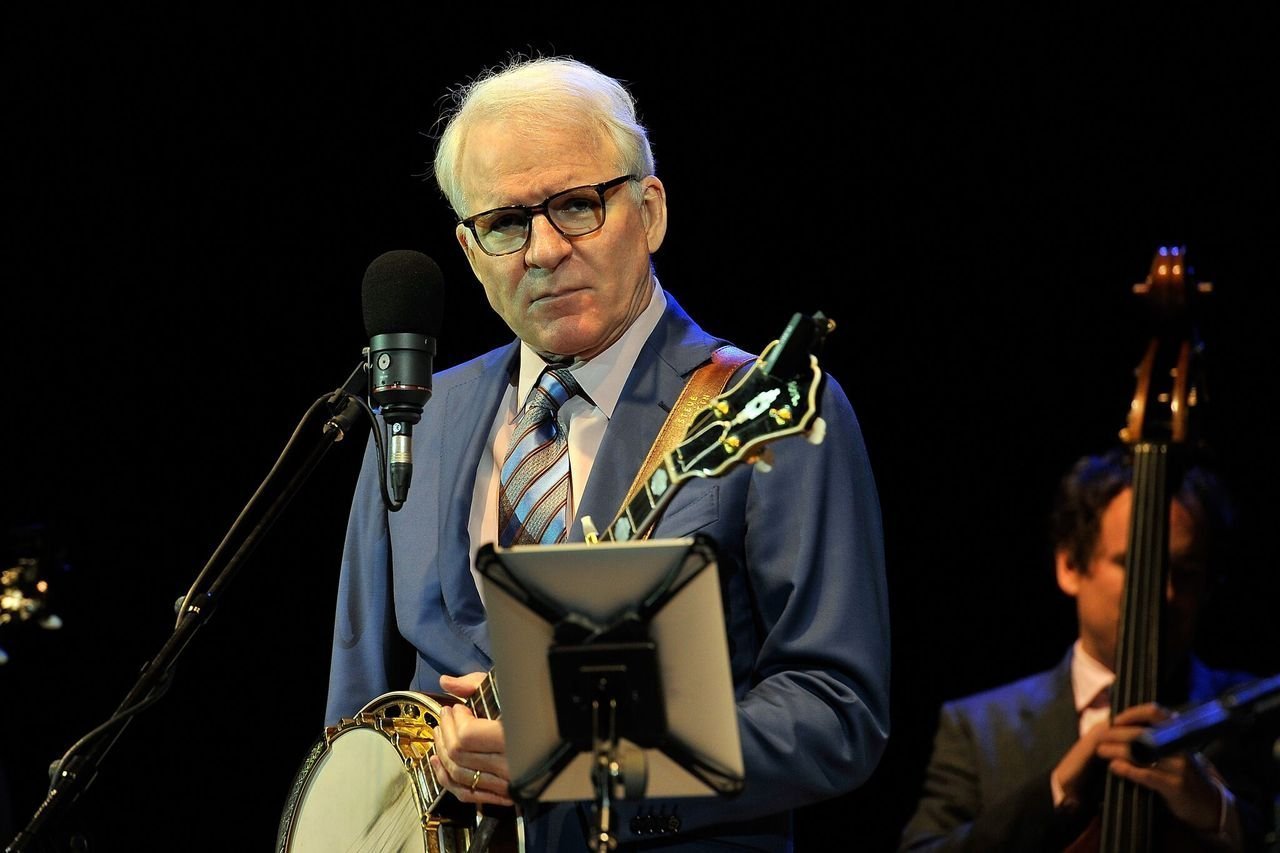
(547, 246)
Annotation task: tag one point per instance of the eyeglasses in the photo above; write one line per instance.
(573, 212)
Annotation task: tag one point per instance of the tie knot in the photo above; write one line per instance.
(553, 390)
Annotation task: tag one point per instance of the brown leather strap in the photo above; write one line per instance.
(706, 383)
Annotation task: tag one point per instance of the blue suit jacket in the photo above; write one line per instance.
(802, 574)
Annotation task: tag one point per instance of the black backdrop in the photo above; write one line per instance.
(192, 203)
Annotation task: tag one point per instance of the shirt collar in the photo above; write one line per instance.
(1088, 677)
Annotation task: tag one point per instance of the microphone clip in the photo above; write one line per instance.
(346, 403)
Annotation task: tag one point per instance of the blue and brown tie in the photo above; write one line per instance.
(533, 500)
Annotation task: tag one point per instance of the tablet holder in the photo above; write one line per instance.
(607, 686)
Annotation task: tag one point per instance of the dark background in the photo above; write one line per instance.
(192, 202)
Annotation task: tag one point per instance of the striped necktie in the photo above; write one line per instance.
(533, 500)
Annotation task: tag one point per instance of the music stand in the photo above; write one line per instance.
(612, 668)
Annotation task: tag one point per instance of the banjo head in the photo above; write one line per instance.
(366, 785)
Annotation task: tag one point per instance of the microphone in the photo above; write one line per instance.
(402, 295)
(1239, 708)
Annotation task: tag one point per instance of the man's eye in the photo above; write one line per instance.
(507, 223)
(577, 205)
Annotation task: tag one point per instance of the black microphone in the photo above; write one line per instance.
(402, 296)
(1239, 708)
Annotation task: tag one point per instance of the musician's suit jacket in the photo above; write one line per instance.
(987, 783)
(802, 575)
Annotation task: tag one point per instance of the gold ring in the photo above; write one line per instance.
(475, 780)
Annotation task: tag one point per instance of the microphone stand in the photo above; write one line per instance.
(78, 767)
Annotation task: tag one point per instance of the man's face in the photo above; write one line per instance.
(564, 296)
(1099, 588)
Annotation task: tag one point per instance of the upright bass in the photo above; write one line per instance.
(1161, 429)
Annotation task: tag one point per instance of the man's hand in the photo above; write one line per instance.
(1183, 782)
(1071, 774)
(470, 757)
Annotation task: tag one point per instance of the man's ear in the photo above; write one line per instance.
(1068, 575)
(653, 208)
(468, 247)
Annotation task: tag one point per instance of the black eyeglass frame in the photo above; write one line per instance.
(531, 210)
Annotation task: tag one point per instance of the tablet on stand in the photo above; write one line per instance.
(614, 674)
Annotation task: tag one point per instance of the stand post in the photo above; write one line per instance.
(604, 838)
(614, 775)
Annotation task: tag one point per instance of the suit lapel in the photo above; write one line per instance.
(1052, 724)
(675, 349)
